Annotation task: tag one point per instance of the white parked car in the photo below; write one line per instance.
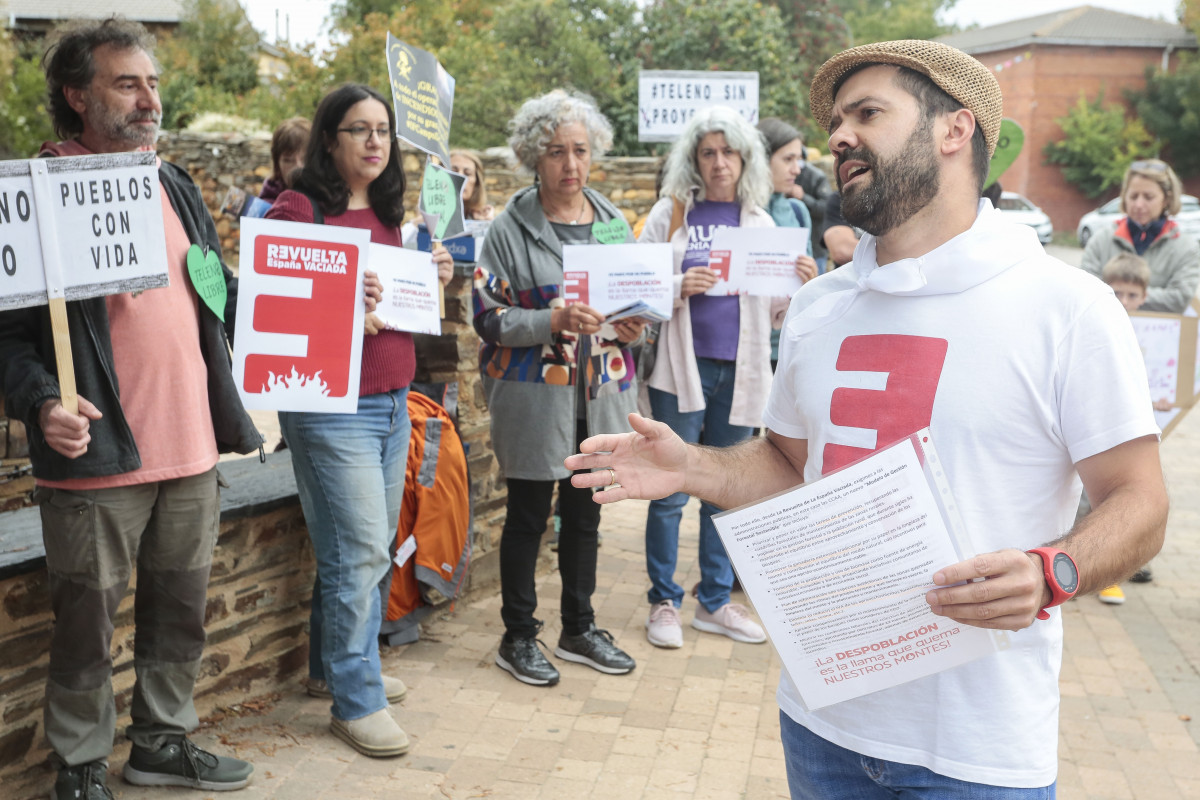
(1018, 208)
(1104, 217)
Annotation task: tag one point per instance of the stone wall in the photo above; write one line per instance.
(256, 619)
(218, 162)
(263, 568)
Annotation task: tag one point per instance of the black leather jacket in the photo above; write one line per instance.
(29, 375)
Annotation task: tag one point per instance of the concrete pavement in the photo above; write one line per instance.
(701, 722)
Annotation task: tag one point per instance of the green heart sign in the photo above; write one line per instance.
(1008, 147)
(208, 278)
(438, 197)
(615, 231)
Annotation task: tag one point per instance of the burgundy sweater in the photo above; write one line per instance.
(388, 359)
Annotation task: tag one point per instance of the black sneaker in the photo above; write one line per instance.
(82, 782)
(525, 661)
(595, 648)
(181, 763)
(1143, 575)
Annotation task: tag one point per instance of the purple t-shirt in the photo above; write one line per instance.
(715, 320)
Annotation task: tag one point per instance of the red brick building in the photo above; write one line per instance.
(1043, 63)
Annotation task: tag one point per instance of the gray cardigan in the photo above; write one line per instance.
(529, 374)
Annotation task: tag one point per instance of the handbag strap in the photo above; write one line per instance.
(676, 218)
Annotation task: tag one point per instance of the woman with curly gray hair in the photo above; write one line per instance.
(554, 374)
(712, 373)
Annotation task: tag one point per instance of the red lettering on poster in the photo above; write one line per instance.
(325, 318)
(913, 365)
(575, 287)
(718, 262)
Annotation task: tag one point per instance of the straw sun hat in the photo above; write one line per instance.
(958, 74)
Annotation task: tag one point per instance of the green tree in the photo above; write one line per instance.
(1169, 106)
(546, 44)
(24, 120)
(884, 20)
(1098, 144)
(215, 46)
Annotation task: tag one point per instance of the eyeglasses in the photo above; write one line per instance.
(1149, 166)
(361, 133)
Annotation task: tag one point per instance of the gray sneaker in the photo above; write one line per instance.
(595, 648)
(181, 763)
(82, 782)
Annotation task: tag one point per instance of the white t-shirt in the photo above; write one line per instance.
(1018, 377)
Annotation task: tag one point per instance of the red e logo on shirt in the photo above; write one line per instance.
(913, 365)
(307, 316)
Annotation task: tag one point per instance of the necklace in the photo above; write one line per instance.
(554, 217)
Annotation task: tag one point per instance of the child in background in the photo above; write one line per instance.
(1128, 276)
(287, 156)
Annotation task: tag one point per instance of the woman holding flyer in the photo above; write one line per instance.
(350, 467)
(713, 370)
(554, 374)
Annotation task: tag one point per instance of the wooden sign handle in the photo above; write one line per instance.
(441, 287)
(62, 354)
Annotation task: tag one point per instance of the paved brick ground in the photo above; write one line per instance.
(701, 722)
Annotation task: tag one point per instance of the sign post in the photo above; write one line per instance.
(78, 227)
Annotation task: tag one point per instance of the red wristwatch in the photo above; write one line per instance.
(1062, 576)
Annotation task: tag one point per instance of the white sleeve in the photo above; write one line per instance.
(782, 413)
(1103, 394)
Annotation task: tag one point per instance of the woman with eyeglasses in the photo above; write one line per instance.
(350, 467)
(1150, 194)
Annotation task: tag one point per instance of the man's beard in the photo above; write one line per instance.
(114, 126)
(897, 189)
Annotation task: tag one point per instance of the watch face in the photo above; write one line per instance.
(1065, 573)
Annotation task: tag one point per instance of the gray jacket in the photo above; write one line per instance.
(529, 374)
(1174, 259)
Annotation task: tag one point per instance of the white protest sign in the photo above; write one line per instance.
(757, 261)
(410, 289)
(667, 99)
(838, 570)
(609, 277)
(298, 343)
(104, 217)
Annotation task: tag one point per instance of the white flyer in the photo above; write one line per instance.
(410, 289)
(757, 261)
(838, 570)
(609, 277)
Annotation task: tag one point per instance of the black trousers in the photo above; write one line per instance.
(528, 511)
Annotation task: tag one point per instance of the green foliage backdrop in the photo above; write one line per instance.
(501, 52)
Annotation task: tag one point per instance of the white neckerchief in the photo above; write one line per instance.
(990, 246)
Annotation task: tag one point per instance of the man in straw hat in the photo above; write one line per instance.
(949, 318)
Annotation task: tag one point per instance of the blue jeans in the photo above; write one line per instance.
(710, 427)
(817, 769)
(350, 475)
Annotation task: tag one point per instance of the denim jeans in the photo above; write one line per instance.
(817, 769)
(710, 427)
(350, 476)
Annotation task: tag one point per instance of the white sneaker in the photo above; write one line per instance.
(663, 627)
(732, 620)
(376, 735)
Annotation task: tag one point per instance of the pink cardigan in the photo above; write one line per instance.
(675, 368)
